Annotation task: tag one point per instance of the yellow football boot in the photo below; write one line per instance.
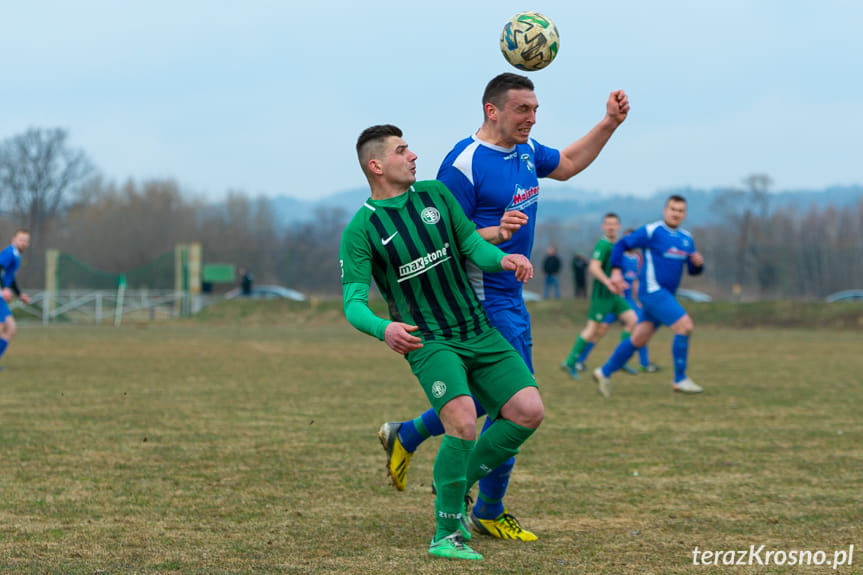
(398, 457)
(504, 526)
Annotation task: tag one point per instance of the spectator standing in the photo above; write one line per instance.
(246, 279)
(551, 267)
(579, 272)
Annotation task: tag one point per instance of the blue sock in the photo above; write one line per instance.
(680, 352)
(585, 352)
(3, 345)
(492, 487)
(618, 359)
(412, 433)
(643, 356)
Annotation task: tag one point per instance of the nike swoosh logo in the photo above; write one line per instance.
(389, 239)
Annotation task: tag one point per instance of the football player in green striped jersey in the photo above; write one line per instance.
(412, 238)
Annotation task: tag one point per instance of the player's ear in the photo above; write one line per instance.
(490, 111)
(375, 167)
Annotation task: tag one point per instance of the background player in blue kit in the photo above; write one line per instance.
(10, 261)
(632, 262)
(494, 174)
(667, 248)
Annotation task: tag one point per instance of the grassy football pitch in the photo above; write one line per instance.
(243, 441)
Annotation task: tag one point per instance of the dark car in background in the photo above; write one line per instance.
(846, 295)
(268, 292)
(694, 295)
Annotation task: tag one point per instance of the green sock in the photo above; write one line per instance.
(449, 470)
(577, 348)
(497, 444)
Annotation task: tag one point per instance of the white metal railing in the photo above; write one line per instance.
(95, 306)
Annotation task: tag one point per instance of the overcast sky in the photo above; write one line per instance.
(268, 97)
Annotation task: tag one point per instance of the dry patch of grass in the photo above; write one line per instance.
(247, 445)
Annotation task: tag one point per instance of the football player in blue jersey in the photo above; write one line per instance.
(10, 261)
(494, 174)
(632, 262)
(667, 250)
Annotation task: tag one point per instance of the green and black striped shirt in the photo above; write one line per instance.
(414, 246)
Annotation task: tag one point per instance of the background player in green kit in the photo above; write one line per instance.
(605, 301)
(412, 237)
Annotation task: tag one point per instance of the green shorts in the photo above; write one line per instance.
(599, 308)
(486, 367)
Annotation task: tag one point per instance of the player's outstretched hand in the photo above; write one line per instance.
(519, 264)
(618, 284)
(617, 106)
(510, 223)
(697, 259)
(398, 336)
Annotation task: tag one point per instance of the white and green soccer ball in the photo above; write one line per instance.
(529, 41)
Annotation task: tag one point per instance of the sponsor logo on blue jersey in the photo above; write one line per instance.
(528, 162)
(523, 198)
(675, 253)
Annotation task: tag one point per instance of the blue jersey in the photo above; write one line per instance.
(487, 181)
(630, 268)
(665, 252)
(10, 261)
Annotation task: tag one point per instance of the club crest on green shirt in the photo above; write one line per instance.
(430, 216)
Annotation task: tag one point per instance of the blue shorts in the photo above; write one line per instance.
(661, 308)
(4, 310)
(512, 320)
(636, 307)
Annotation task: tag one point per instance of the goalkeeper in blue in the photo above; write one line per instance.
(667, 248)
(10, 261)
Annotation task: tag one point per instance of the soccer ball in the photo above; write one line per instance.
(529, 41)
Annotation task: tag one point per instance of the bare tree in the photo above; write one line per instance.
(38, 171)
(744, 211)
(310, 253)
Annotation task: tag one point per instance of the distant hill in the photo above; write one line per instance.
(575, 206)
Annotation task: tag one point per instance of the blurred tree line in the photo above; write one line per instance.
(751, 250)
(759, 253)
(54, 190)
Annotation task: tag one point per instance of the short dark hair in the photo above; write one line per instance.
(370, 142)
(611, 215)
(675, 198)
(496, 89)
(379, 132)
